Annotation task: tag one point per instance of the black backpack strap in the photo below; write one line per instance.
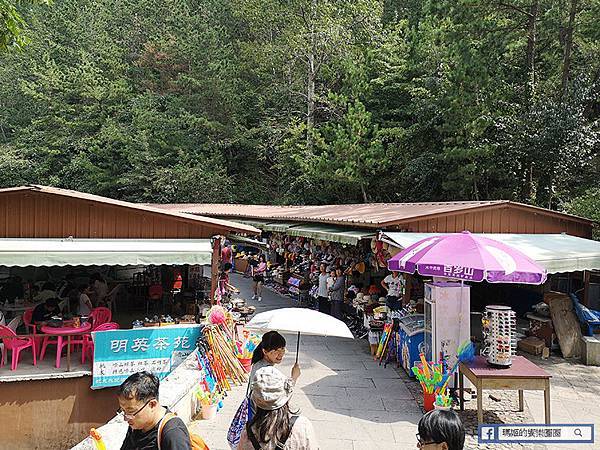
(252, 438)
(281, 445)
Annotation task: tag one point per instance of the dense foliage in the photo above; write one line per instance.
(307, 101)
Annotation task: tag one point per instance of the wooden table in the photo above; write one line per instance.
(521, 375)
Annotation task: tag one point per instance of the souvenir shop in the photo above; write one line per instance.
(536, 307)
(295, 261)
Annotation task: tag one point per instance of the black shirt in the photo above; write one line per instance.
(41, 314)
(175, 436)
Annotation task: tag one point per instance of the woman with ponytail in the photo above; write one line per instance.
(269, 352)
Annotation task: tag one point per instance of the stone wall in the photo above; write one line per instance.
(53, 413)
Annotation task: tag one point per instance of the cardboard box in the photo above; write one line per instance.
(531, 345)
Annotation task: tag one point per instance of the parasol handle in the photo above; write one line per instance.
(297, 347)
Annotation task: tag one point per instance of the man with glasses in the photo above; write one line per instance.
(139, 406)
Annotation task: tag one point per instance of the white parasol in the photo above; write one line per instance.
(300, 320)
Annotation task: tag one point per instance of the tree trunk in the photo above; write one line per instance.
(528, 184)
(531, 44)
(364, 193)
(566, 69)
(311, 76)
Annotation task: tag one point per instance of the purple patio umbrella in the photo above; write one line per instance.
(468, 257)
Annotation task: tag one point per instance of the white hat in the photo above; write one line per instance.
(271, 389)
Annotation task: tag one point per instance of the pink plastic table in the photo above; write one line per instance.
(60, 333)
(521, 375)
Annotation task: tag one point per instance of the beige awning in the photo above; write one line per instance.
(98, 252)
(555, 252)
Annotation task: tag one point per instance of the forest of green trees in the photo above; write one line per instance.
(304, 101)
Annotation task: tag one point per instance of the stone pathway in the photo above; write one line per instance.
(354, 403)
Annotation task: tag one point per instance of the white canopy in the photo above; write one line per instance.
(555, 252)
(98, 252)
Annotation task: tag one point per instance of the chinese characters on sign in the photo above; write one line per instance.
(532, 432)
(456, 272)
(127, 367)
(119, 353)
(142, 344)
(463, 273)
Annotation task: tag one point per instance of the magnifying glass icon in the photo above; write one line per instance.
(577, 432)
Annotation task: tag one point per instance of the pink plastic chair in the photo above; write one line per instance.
(16, 344)
(27, 320)
(99, 316)
(31, 328)
(88, 343)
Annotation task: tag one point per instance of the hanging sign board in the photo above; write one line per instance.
(120, 353)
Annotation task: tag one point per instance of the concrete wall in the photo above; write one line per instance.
(51, 414)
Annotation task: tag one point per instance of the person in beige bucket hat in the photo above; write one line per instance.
(271, 389)
(274, 425)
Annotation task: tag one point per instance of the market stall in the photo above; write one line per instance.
(571, 263)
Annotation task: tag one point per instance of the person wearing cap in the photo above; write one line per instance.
(274, 425)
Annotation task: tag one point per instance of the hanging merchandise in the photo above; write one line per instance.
(247, 350)
(499, 334)
(222, 356)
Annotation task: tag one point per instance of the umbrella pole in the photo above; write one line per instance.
(297, 347)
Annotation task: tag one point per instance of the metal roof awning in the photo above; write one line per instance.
(555, 252)
(253, 223)
(98, 252)
(279, 227)
(331, 233)
(246, 240)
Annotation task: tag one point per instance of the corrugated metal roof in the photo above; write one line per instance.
(218, 223)
(372, 215)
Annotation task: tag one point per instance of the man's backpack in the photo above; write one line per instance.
(196, 442)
